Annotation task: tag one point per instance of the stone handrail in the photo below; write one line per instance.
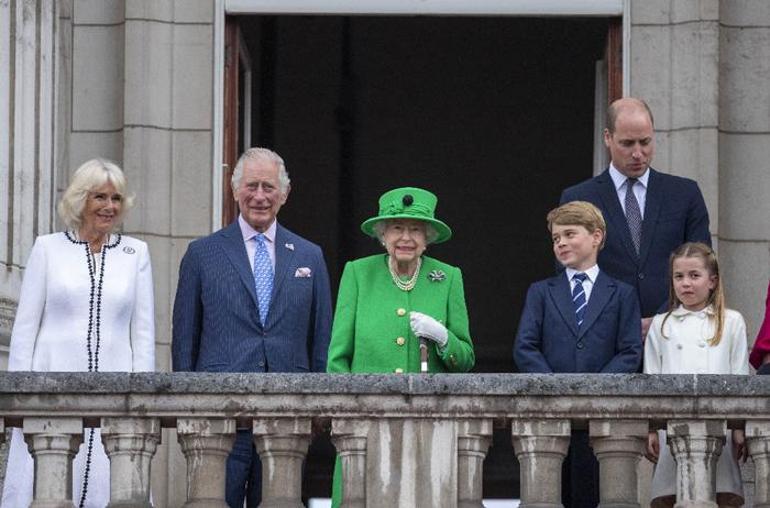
(457, 411)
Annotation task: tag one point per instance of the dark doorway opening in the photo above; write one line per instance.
(494, 115)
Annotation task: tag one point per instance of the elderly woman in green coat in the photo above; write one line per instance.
(389, 303)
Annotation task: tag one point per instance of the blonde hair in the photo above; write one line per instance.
(89, 176)
(717, 296)
(578, 213)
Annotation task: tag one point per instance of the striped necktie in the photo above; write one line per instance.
(579, 297)
(263, 277)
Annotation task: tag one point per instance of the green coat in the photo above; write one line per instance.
(371, 332)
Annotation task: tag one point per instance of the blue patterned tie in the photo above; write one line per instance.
(579, 297)
(633, 214)
(263, 277)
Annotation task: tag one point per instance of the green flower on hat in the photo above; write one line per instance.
(409, 203)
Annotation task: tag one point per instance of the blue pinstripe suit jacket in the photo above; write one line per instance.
(216, 326)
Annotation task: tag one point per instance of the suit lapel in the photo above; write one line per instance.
(235, 250)
(600, 296)
(652, 206)
(561, 295)
(284, 255)
(615, 212)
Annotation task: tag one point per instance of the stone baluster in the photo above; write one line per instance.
(130, 444)
(206, 443)
(696, 445)
(282, 444)
(349, 437)
(758, 441)
(53, 443)
(540, 446)
(618, 445)
(473, 439)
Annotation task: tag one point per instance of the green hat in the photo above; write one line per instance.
(409, 203)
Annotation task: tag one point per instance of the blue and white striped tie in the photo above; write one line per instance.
(579, 297)
(263, 277)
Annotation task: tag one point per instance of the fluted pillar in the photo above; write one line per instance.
(53, 443)
(130, 444)
(540, 446)
(349, 438)
(758, 441)
(473, 438)
(696, 445)
(282, 444)
(206, 443)
(618, 445)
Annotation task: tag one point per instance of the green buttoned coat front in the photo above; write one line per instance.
(371, 331)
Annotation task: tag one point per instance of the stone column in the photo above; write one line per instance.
(618, 445)
(744, 149)
(540, 446)
(282, 445)
(53, 443)
(349, 438)
(206, 443)
(473, 438)
(130, 444)
(758, 440)
(696, 445)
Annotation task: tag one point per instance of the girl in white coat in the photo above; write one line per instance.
(698, 335)
(86, 304)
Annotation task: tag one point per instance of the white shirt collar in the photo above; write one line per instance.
(592, 273)
(618, 178)
(681, 312)
(249, 232)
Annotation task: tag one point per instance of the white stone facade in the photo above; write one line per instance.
(135, 81)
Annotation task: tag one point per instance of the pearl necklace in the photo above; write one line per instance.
(407, 285)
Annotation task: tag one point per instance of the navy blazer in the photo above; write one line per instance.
(216, 325)
(674, 213)
(608, 341)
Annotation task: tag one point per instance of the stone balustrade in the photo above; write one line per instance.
(385, 426)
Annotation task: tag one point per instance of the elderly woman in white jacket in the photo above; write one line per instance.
(86, 304)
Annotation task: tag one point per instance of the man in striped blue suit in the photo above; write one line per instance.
(252, 297)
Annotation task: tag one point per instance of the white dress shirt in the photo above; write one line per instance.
(640, 189)
(249, 233)
(588, 284)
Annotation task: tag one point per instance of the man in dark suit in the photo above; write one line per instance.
(252, 297)
(645, 225)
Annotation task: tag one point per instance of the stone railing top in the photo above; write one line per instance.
(579, 385)
(576, 396)
(408, 384)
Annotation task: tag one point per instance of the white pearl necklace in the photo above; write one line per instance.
(404, 285)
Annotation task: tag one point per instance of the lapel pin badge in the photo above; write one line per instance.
(289, 246)
(128, 250)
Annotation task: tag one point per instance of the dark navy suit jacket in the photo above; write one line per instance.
(608, 341)
(216, 325)
(674, 213)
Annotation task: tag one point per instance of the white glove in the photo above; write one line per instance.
(427, 327)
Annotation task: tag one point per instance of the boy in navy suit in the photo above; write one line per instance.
(581, 320)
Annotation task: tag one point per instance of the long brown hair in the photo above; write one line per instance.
(716, 297)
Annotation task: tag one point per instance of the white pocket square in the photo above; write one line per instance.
(303, 271)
